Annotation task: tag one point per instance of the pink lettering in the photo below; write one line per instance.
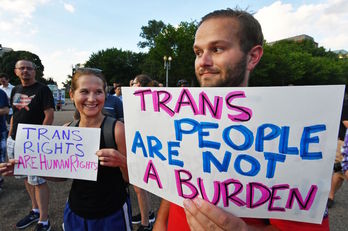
(215, 110)
(303, 204)
(151, 173)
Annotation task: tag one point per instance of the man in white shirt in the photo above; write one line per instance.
(6, 87)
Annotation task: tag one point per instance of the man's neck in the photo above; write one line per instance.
(27, 84)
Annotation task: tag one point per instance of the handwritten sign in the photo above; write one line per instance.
(255, 152)
(56, 151)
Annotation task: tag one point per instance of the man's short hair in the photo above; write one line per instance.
(250, 32)
(182, 83)
(27, 60)
(4, 75)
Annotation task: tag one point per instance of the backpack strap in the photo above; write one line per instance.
(109, 134)
(74, 123)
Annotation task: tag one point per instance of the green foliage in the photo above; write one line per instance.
(150, 32)
(298, 63)
(169, 41)
(117, 65)
(9, 59)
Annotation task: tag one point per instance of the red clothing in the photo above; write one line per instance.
(177, 221)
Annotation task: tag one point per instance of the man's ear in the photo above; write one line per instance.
(254, 56)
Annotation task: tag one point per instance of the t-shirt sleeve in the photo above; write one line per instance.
(118, 108)
(3, 99)
(47, 98)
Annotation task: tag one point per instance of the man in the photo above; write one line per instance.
(4, 109)
(118, 91)
(182, 83)
(6, 87)
(113, 107)
(228, 46)
(32, 103)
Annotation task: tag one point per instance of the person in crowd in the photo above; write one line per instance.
(338, 175)
(118, 91)
(228, 46)
(146, 216)
(6, 86)
(113, 107)
(345, 151)
(4, 109)
(104, 204)
(182, 83)
(32, 103)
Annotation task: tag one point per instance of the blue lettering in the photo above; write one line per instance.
(155, 147)
(207, 143)
(273, 158)
(28, 145)
(171, 153)
(261, 137)
(307, 139)
(138, 143)
(255, 165)
(209, 158)
(284, 142)
(248, 137)
(179, 130)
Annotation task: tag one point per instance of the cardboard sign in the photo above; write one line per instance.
(57, 151)
(255, 152)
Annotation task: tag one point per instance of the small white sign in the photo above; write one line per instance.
(57, 151)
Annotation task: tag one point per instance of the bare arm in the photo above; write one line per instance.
(345, 123)
(162, 216)
(202, 215)
(49, 116)
(4, 110)
(11, 125)
(116, 158)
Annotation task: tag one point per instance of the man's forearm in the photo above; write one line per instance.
(4, 111)
(49, 116)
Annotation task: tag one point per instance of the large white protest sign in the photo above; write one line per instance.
(256, 152)
(56, 151)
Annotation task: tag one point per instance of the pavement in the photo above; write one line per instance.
(15, 202)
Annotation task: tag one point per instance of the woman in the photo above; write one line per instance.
(104, 204)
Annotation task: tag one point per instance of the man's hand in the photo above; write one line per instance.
(202, 215)
(7, 169)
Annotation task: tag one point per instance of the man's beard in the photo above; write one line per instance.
(234, 76)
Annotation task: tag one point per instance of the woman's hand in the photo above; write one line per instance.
(111, 158)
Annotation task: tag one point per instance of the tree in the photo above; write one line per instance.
(150, 32)
(117, 65)
(170, 41)
(9, 59)
(298, 63)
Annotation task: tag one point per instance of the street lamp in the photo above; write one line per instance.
(167, 61)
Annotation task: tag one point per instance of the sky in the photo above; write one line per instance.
(66, 32)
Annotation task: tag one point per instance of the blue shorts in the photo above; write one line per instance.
(119, 221)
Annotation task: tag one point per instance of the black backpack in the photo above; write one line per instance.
(108, 134)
